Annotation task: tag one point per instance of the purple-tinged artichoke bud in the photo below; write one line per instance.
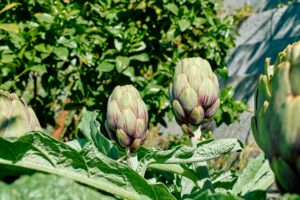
(276, 121)
(194, 93)
(16, 118)
(127, 117)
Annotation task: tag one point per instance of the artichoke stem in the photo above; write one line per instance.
(196, 137)
(132, 160)
(201, 167)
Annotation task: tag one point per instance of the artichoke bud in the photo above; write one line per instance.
(275, 123)
(194, 93)
(16, 118)
(127, 117)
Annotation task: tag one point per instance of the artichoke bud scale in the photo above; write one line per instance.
(123, 139)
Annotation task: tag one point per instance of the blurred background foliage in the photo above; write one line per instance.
(66, 56)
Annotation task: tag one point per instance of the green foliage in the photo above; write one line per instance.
(256, 176)
(290, 197)
(96, 162)
(216, 196)
(89, 126)
(71, 54)
(39, 152)
(57, 188)
(205, 151)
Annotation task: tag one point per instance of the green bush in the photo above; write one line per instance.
(71, 54)
(99, 165)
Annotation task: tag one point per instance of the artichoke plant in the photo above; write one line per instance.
(276, 123)
(127, 117)
(194, 93)
(16, 118)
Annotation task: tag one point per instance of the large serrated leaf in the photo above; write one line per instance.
(38, 152)
(58, 188)
(205, 151)
(177, 169)
(91, 130)
(224, 180)
(90, 127)
(212, 196)
(256, 176)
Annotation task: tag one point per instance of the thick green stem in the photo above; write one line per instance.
(196, 138)
(201, 167)
(132, 160)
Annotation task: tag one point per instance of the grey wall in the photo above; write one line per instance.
(264, 34)
(258, 5)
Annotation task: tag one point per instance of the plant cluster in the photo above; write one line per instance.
(63, 40)
(127, 170)
(70, 55)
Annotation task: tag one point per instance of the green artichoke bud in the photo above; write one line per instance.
(127, 117)
(276, 123)
(16, 118)
(194, 93)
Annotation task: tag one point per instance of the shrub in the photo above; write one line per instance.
(70, 55)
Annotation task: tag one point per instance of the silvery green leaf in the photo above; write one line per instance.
(36, 151)
(90, 127)
(58, 188)
(256, 176)
(206, 150)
